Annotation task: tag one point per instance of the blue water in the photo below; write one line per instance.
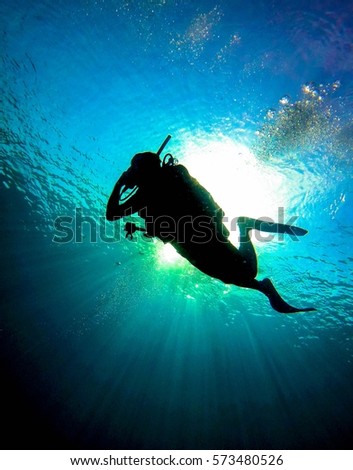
(110, 345)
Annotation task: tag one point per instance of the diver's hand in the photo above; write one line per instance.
(116, 207)
(126, 179)
(123, 178)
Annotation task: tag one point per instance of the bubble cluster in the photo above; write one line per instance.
(222, 54)
(305, 124)
(284, 100)
(198, 33)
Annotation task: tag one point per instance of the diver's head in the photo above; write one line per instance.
(144, 166)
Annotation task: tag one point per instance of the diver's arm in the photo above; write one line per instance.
(115, 210)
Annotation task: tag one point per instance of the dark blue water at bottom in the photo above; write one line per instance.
(112, 346)
(154, 374)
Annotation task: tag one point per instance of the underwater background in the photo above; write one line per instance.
(111, 344)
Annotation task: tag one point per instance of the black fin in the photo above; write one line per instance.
(271, 227)
(276, 301)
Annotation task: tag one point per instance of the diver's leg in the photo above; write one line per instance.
(277, 303)
(247, 249)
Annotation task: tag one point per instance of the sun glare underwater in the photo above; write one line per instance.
(108, 343)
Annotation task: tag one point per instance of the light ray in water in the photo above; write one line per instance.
(167, 255)
(240, 184)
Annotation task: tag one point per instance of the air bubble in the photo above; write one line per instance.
(271, 113)
(284, 100)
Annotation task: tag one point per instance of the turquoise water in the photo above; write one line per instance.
(107, 343)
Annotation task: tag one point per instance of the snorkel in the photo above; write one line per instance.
(165, 142)
(168, 159)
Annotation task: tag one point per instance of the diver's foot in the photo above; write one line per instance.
(276, 301)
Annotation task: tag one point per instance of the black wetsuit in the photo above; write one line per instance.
(178, 210)
(178, 206)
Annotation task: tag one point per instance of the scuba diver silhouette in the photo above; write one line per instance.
(179, 211)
